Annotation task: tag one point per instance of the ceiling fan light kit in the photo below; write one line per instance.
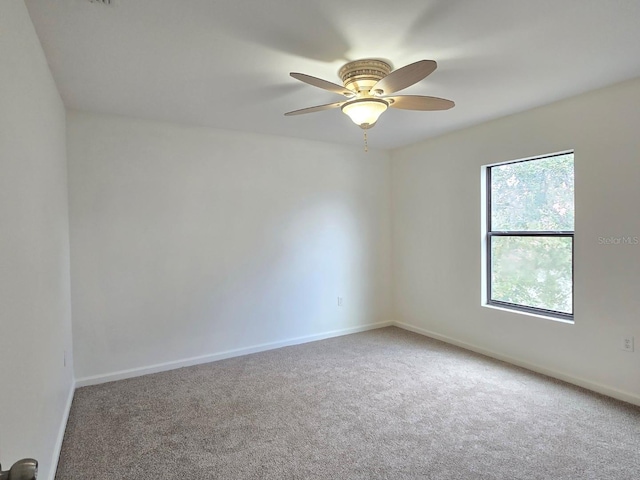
(365, 112)
(360, 76)
(367, 86)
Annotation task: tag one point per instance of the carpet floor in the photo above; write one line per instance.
(384, 404)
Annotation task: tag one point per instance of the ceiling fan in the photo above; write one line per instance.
(369, 85)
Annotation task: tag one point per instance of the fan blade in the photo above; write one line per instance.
(317, 108)
(419, 102)
(318, 82)
(404, 77)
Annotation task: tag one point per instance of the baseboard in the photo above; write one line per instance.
(57, 448)
(188, 362)
(581, 382)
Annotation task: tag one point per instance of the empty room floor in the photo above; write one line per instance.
(384, 404)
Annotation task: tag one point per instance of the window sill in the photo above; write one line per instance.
(529, 314)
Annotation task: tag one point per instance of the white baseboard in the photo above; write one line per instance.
(581, 382)
(188, 362)
(63, 426)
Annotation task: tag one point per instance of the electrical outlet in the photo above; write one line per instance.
(627, 344)
(339, 301)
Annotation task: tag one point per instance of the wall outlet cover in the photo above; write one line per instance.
(626, 344)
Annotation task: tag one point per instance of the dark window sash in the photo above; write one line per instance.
(514, 233)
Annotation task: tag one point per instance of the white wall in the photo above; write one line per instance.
(437, 238)
(35, 318)
(190, 241)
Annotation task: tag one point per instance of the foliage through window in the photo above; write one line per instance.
(530, 227)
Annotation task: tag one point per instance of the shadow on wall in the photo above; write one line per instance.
(244, 283)
(291, 287)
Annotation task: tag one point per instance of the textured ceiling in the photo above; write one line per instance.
(225, 63)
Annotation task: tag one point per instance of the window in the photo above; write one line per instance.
(530, 226)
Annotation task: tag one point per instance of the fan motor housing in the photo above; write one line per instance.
(361, 75)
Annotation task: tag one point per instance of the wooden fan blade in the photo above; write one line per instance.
(419, 102)
(318, 82)
(317, 108)
(404, 77)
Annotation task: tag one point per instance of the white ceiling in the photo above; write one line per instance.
(225, 63)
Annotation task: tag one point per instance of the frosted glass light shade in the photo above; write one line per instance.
(366, 111)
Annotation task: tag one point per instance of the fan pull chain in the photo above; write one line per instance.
(366, 143)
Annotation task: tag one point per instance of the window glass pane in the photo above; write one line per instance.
(532, 271)
(535, 195)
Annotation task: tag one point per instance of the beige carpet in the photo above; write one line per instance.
(385, 404)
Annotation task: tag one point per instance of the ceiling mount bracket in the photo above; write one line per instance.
(363, 74)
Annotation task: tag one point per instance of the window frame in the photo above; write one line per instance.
(513, 233)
